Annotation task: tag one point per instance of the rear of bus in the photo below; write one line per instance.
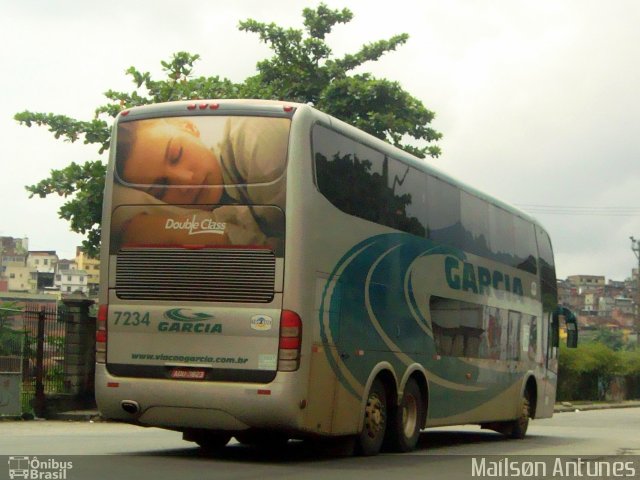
(191, 330)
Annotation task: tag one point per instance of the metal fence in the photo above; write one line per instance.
(43, 364)
(32, 342)
(11, 349)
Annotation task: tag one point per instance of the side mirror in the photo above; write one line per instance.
(572, 327)
(555, 331)
(572, 334)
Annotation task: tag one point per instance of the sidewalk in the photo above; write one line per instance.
(77, 416)
(582, 406)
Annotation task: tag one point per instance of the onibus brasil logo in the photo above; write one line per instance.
(33, 468)
(196, 227)
(186, 320)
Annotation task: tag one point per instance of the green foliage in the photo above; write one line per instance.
(586, 370)
(302, 69)
(85, 185)
(592, 358)
(55, 375)
(93, 131)
(631, 362)
(614, 339)
(10, 340)
(57, 343)
(8, 309)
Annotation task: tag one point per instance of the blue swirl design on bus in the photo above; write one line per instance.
(186, 315)
(362, 311)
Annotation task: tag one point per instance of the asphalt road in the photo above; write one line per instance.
(133, 452)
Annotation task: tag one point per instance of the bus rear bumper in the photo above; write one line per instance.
(205, 418)
(184, 404)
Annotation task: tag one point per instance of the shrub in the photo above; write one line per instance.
(586, 372)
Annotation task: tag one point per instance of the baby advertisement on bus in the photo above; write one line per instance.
(200, 180)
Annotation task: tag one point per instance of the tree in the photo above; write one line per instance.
(10, 339)
(611, 338)
(302, 69)
(585, 373)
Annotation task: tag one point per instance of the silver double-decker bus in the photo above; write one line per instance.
(270, 272)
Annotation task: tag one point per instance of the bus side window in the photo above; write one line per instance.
(548, 287)
(554, 331)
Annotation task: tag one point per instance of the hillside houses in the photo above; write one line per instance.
(37, 272)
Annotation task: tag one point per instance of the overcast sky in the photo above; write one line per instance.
(538, 101)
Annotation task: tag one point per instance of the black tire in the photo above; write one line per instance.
(369, 441)
(407, 420)
(210, 441)
(518, 427)
(265, 439)
(343, 446)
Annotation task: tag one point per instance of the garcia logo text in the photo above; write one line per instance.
(184, 320)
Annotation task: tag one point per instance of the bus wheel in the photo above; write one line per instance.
(407, 420)
(519, 425)
(265, 439)
(374, 426)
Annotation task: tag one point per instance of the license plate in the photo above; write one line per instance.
(187, 374)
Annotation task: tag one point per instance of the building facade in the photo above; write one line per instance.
(92, 267)
(70, 281)
(43, 265)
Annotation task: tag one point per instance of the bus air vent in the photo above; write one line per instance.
(207, 274)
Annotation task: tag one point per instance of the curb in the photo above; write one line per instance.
(569, 407)
(77, 416)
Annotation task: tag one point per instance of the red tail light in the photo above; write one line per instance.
(101, 334)
(290, 341)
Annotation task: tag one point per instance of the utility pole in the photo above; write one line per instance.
(635, 247)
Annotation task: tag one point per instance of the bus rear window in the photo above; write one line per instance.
(189, 160)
